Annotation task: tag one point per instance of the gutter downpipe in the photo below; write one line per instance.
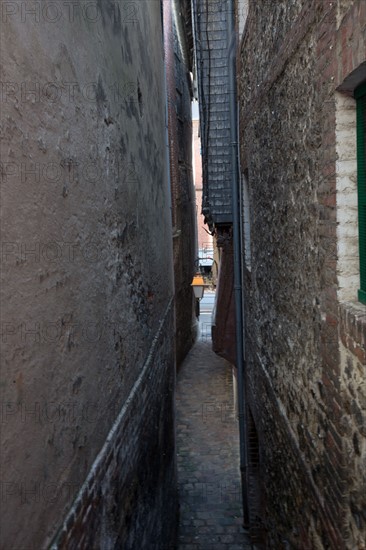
(238, 296)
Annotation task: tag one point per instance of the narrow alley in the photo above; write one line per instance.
(183, 275)
(211, 515)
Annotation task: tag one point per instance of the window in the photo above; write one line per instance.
(360, 96)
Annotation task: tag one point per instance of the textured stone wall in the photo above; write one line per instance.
(86, 256)
(223, 324)
(179, 91)
(205, 240)
(306, 392)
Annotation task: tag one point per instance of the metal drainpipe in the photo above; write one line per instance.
(238, 296)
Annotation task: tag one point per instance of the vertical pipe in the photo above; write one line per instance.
(238, 295)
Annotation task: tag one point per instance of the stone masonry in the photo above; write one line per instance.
(299, 64)
(178, 61)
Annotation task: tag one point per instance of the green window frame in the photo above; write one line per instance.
(360, 96)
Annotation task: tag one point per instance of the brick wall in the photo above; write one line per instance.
(179, 90)
(204, 239)
(305, 357)
(223, 326)
(127, 499)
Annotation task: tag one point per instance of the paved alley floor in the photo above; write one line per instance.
(208, 455)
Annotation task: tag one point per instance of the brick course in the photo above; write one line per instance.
(134, 476)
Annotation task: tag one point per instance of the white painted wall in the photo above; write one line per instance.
(348, 271)
(243, 8)
(246, 224)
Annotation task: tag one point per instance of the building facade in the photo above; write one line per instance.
(205, 260)
(87, 293)
(301, 70)
(178, 64)
(210, 20)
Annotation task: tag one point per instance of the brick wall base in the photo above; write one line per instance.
(129, 498)
(287, 495)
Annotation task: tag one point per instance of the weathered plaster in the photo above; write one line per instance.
(84, 185)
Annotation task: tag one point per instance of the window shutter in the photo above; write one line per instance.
(360, 95)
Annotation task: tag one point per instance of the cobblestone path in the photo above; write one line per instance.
(208, 455)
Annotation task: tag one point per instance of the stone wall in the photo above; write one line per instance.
(223, 323)
(87, 280)
(179, 91)
(306, 391)
(205, 240)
